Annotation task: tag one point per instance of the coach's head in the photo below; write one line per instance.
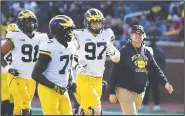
(137, 35)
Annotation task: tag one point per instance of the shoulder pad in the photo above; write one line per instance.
(11, 34)
(77, 32)
(110, 33)
(44, 46)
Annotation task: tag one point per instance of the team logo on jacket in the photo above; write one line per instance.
(140, 62)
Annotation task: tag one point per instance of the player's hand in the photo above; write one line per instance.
(72, 87)
(79, 69)
(105, 85)
(112, 98)
(110, 50)
(169, 88)
(14, 72)
(59, 89)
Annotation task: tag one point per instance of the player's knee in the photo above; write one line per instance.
(26, 112)
(95, 110)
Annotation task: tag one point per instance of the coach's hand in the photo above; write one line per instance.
(112, 98)
(169, 88)
(59, 89)
(14, 72)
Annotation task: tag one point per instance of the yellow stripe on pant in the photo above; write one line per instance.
(53, 103)
(89, 89)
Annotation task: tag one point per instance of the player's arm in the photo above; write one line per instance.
(116, 56)
(5, 49)
(40, 66)
(111, 50)
(75, 65)
(71, 83)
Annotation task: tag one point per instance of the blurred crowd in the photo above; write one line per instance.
(165, 21)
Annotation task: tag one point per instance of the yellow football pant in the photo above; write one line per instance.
(22, 91)
(53, 103)
(89, 91)
(5, 92)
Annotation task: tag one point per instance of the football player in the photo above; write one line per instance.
(93, 43)
(24, 46)
(7, 99)
(53, 67)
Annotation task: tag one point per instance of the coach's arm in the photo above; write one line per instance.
(153, 67)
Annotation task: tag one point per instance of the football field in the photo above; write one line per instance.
(37, 111)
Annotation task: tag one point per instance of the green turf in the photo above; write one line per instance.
(37, 111)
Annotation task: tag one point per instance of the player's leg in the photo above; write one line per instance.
(31, 85)
(49, 100)
(11, 104)
(82, 83)
(88, 94)
(97, 82)
(126, 100)
(65, 106)
(5, 94)
(20, 95)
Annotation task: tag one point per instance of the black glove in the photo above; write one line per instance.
(14, 72)
(104, 84)
(72, 87)
(59, 89)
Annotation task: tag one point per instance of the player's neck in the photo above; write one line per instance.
(30, 35)
(94, 34)
(64, 43)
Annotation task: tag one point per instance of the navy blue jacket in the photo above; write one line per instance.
(131, 72)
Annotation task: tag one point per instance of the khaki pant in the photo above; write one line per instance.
(129, 101)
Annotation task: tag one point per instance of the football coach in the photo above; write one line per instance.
(129, 77)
